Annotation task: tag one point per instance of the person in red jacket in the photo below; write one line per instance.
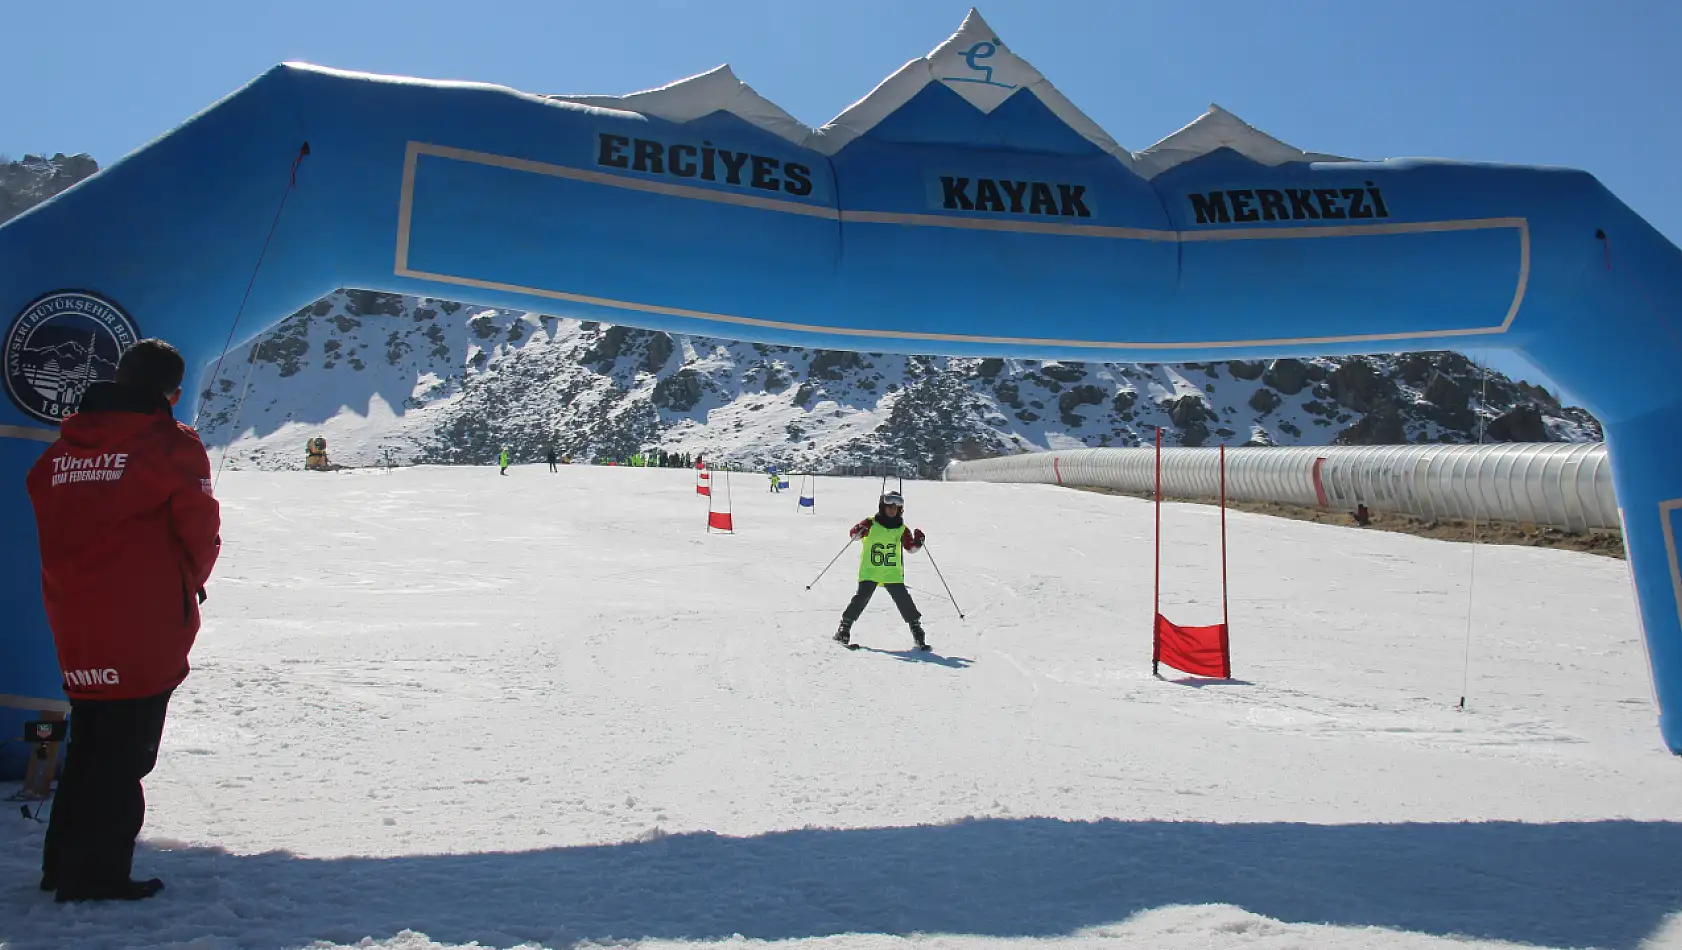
(129, 532)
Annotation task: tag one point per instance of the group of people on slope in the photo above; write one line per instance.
(640, 460)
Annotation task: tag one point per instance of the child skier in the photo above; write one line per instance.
(885, 538)
(503, 459)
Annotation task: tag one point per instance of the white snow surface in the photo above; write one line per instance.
(441, 708)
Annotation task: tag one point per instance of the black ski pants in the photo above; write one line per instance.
(901, 596)
(100, 806)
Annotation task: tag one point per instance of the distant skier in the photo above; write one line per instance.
(885, 538)
(774, 488)
(503, 459)
(552, 466)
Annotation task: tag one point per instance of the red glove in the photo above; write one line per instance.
(860, 530)
(913, 541)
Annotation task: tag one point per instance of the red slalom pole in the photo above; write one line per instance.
(1226, 647)
(1156, 595)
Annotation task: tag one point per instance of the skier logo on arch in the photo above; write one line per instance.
(984, 49)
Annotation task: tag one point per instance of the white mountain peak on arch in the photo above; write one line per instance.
(1218, 129)
(716, 90)
(977, 65)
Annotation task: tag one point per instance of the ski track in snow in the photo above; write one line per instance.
(436, 707)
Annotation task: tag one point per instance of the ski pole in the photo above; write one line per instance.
(831, 563)
(943, 583)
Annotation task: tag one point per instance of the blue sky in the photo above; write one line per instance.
(1550, 82)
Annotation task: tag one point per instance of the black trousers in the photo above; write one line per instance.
(100, 806)
(901, 596)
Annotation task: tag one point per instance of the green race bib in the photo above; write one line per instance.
(881, 559)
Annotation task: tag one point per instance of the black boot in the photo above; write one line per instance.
(917, 634)
(844, 635)
(118, 891)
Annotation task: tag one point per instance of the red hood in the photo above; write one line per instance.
(98, 431)
(112, 414)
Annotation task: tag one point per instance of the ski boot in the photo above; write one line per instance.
(126, 890)
(917, 634)
(844, 635)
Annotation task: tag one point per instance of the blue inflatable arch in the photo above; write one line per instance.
(964, 207)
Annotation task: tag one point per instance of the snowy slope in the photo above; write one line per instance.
(389, 379)
(435, 707)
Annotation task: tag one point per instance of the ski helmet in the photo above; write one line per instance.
(893, 498)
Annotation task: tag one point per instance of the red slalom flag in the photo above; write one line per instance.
(1200, 651)
(703, 490)
(719, 520)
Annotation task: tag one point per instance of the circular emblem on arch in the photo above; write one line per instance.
(58, 346)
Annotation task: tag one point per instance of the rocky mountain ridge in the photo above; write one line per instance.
(28, 181)
(404, 380)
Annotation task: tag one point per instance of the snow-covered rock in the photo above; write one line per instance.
(35, 178)
(402, 380)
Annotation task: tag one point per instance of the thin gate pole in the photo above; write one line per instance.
(710, 501)
(1156, 595)
(1226, 649)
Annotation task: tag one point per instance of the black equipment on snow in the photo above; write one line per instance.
(45, 735)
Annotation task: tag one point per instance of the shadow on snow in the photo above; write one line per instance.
(921, 656)
(1608, 884)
